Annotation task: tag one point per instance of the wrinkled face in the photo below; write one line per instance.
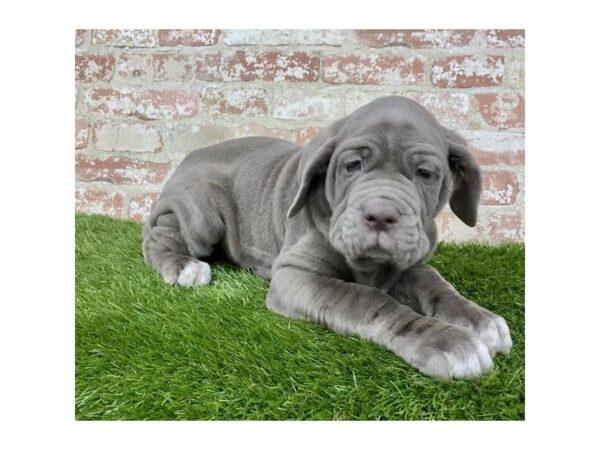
(385, 184)
(375, 180)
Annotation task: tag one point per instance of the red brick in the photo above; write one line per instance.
(125, 38)
(94, 67)
(111, 101)
(303, 135)
(502, 110)
(82, 127)
(464, 71)
(506, 227)
(243, 65)
(140, 205)
(147, 104)
(169, 67)
(117, 170)
(415, 38)
(374, 69)
(188, 38)
(505, 38)
(156, 66)
(497, 148)
(166, 104)
(95, 201)
(79, 37)
(499, 188)
(235, 101)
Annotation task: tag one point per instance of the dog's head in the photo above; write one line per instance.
(374, 181)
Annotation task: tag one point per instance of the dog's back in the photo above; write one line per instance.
(229, 189)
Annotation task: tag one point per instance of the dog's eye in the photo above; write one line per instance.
(353, 166)
(424, 173)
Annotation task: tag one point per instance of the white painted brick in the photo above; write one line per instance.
(128, 137)
(302, 104)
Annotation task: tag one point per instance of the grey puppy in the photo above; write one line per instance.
(342, 227)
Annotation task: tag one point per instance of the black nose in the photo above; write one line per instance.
(380, 215)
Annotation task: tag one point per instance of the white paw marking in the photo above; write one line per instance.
(472, 365)
(468, 362)
(194, 272)
(169, 276)
(496, 335)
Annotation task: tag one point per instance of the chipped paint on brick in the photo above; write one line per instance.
(124, 38)
(118, 170)
(451, 228)
(166, 93)
(502, 110)
(240, 65)
(238, 101)
(505, 38)
(497, 148)
(96, 201)
(283, 37)
(140, 205)
(154, 67)
(450, 109)
(466, 71)
(506, 227)
(499, 188)
(373, 69)
(415, 38)
(189, 38)
(150, 104)
(94, 67)
(82, 127)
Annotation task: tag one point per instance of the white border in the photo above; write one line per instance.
(37, 223)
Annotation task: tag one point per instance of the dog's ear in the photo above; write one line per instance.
(313, 162)
(466, 175)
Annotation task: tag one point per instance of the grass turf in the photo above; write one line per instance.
(145, 350)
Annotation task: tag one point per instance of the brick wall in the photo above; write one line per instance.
(145, 98)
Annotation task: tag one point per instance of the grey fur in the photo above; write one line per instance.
(344, 244)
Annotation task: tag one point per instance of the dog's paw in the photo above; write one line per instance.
(489, 327)
(190, 273)
(193, 273)
(493, 331)
(454, 352)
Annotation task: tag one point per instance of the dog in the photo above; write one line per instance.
(343, 228)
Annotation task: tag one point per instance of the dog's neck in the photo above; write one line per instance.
(382, 277)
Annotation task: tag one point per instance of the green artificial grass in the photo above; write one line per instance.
(145, 350)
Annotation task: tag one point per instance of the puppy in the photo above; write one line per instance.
(343, 228)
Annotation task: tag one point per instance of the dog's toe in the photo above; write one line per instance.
(194, 272)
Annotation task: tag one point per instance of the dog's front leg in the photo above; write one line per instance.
(300, 290)
(438, 299)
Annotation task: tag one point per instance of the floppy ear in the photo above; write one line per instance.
(466, 174)
(313, 162)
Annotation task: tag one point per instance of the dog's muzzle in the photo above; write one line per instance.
(381, 221)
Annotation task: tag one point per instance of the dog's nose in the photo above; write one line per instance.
(380, 215)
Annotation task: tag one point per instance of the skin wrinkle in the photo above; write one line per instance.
(378, 311)
(434, 302)
(300, 212)
(405, 328)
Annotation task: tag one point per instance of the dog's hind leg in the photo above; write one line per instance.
(167, 250)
